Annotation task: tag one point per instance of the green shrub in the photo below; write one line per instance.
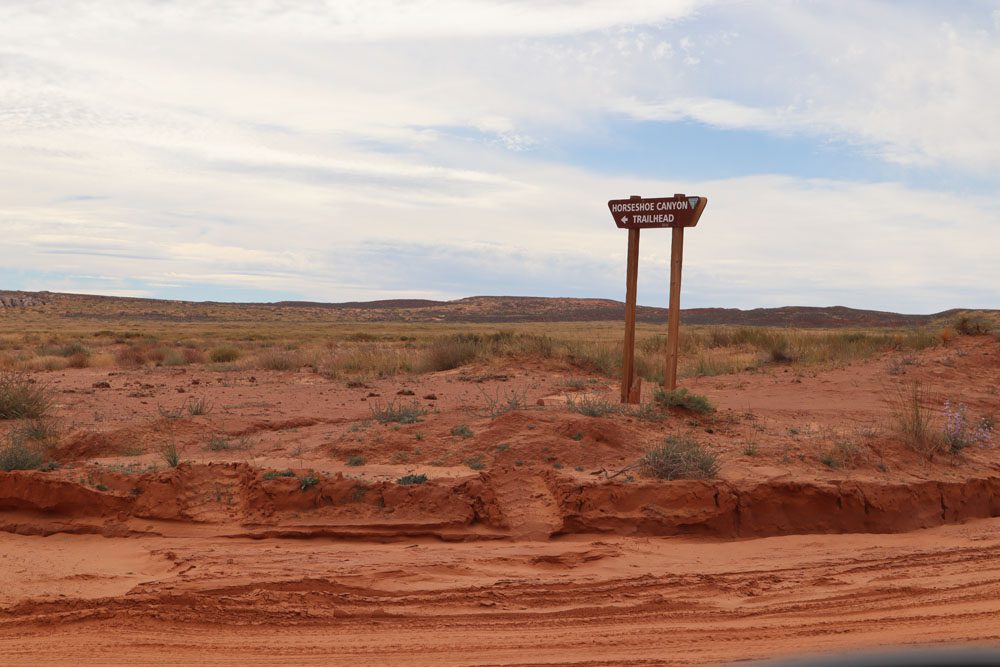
(71, 349)
(681, 457)
(16, 454)
(681, 398)
(592, 406)
(408, 480)
(362, 337)
(646, 412)
(397, 412)
(218, 443)
(224, 354)
(307, 482)
(175, 358)
(274, 474)
(500, 402)
(462, 431)
(23, 398)
(355, 460)
(973, 324)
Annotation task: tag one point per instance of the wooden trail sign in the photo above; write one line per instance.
(633, 214)
(639, 213)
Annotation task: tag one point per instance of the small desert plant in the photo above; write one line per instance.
(408, 480)
(681, 457)
(397, 412)
(843, 454)
(646, 412)
(451, 352)
(577, 384)
(913, 423)
(274, 360)
(275, 474)
(972, 324)
(69, 349)
(39, 430)
(167, 413)
(224, 354)
(780, 352)
(462, 431)
(592, 406)
(682, 398)
(501, 402)
(16, 454)
(361, 337)
(131, 356)
(355, 460)
(170, 455)
(476, 463)
(219, 443)
(307, 482)
(198, 406)
(174, 358)
(960, 432)
(358, 492)
(78, 360)
(23, 398)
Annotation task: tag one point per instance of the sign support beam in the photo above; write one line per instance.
(631, 284)
(674, 314)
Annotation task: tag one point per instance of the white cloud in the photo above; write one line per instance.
(920, 93)
(351, 20)
(271, 145)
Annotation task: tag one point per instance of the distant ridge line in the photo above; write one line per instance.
(473, 309)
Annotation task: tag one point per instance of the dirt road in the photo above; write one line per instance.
(574, 600)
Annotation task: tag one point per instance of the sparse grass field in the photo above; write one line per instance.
(357, 352)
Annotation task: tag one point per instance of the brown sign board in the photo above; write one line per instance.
(639, 213)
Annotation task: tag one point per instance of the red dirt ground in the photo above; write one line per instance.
(517, 550)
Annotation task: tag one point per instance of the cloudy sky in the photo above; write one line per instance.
(257, 150)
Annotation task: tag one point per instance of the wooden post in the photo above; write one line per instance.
(674, 316)
(631, 281)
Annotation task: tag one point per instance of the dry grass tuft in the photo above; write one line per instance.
(681, 457)
(22, 397)
(913, 424)
(224, 354)
(278, 360)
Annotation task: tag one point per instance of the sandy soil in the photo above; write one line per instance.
(517, 550)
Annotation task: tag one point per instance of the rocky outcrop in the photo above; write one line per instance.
(20, 300)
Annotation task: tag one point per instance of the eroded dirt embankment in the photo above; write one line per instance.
(241, 499)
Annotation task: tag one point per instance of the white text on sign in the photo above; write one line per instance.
(649, 206)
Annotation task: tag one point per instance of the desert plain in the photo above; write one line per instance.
(220, 484)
